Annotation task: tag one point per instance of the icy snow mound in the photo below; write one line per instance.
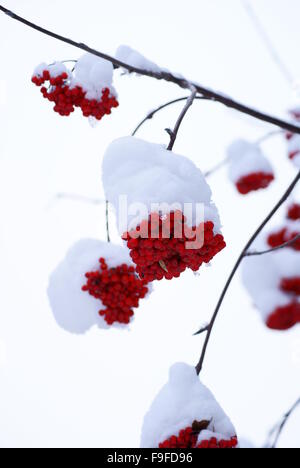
(75, 310)
(181, 401)
(93, 74)
(153, 179)
(133, 58)
(246, 158)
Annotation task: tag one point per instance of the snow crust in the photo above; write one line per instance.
(246, 158)
(149, 176)
(75, 310)
(181, 401)
(132, 57)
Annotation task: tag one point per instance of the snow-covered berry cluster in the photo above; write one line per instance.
(293, 140)
(249, 169)
(188, 439)
(273, 280)
(185, 414)
(119, 290)
(158, 246)
(169, 220)
(88, 86)
(84, 291)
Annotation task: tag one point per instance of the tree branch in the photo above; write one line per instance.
(236, 266)
(163, 106)
(162, 75)
(107, 220)
(173, 134)
(282, 246)
(278, 429)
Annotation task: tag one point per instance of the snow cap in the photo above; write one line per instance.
(147, 174)
(246, 158)
(181, 401)
(75, 310)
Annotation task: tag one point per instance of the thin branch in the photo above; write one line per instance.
(79, 198)
(282, 246)
(237, 264)
(267, 136)
(174, 133)
(216, 167)
(267, 41)
(162, 75)
(278, 428)
(107, 220)
(163, 106)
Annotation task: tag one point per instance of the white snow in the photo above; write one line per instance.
(75, 310)
(262, 274)
(246, 158)
(149, 176)
(93, 74)
(55, 69)
(132, 57)
(181, 401)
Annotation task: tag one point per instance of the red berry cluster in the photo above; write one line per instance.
(222, 444)
(253, 182)
(291, 285)
(284, 318)
(66, 97)
(281, 237)
(294, 212)
(159, 246)
(118, 288)
(187, 439)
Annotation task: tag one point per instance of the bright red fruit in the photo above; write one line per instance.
(294, 212)
(285, 317)
(281, 237)
(291, 285)
(66, 98)
(253, 182)
(159, 246)
(187, 439)
(118, 288)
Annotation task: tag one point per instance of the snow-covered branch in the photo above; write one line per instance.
(162, 75)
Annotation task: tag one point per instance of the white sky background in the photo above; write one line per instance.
(92, 391)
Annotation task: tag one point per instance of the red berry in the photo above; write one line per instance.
(284, 318)
(118, 288)
(253, 182)
(188, 439)
(167, 254)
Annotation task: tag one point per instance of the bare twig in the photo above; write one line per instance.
(216, 167)
(107, 220)
(268, 136)
(163, 106)
(162, 75)
(282, 246)
(79, 198)
(173, 134)
(265, 38)
(278, 428)
(236, 266)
